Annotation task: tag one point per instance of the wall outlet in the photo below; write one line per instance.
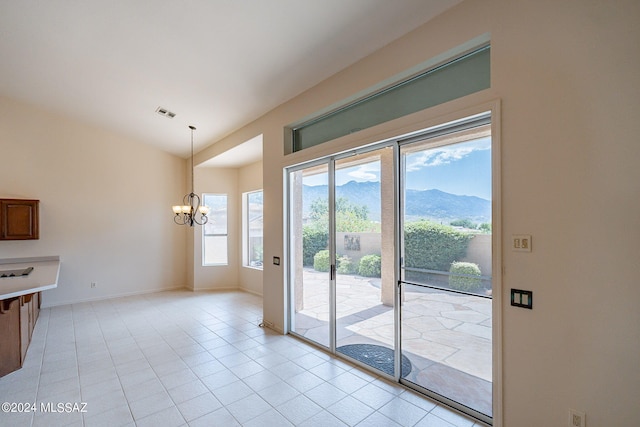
(577, 418)
(94, 285)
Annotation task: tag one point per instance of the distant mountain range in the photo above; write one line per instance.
(419, 204)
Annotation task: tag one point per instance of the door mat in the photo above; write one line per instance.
(376, 356)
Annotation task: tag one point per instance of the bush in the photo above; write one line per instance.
(466, 223)
(321, 261)
(313, 241)
(433, 246)
(346, 265)
(370, 266)
(469, 279)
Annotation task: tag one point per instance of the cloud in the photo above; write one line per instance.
(366, 172)
(444, 155)
(362, 175)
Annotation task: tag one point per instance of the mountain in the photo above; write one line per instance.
(427, 204)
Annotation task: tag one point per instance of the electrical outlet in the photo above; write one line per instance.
(577, 418)
(93, 285)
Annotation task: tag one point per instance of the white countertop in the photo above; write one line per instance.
(44, 276)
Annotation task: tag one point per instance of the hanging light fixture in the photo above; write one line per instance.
(186, 214)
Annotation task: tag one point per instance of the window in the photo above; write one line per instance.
(252, 209)
(461, 76)
(214, 238)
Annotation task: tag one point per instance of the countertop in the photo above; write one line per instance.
(44, 276)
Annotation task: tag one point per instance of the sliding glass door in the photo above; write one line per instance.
(390, 255)
(310, 290)
(364, 241)
(446, 273)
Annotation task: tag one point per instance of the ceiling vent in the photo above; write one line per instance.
(165, 112)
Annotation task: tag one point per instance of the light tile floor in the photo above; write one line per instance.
(198, 359)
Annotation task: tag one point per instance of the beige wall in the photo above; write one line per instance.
(567, 77)
(105, 204)
(250, 179)
(218, 181)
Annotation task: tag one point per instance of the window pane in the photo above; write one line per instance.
(215, 250)
(458, 78)
(217, 223)
(254, 229)
(214, 240)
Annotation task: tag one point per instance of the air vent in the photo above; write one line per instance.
(165, 112)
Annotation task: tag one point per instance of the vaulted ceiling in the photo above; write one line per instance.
(216, 64)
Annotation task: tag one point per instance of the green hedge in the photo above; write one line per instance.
(370, 266)
(433, 246)
(321, 261)
(313, 241)
(346, 265)
(465, 276)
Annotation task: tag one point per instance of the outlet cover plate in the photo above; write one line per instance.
(577, 418)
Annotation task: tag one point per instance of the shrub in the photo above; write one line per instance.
(370, 266)
(346, 265)
(321, 261)
(313, 241)
(433, 246)
(465, 276)
(485, 227)
(466, 223)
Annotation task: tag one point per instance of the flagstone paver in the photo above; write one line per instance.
(445, 335)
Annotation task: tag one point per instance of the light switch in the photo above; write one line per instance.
(521, 242)
(520, 298)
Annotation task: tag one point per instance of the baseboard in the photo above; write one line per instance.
(249, 291)
(108, 297)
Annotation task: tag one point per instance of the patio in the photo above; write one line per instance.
(446, 336)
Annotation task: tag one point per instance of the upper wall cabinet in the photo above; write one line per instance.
(19, 219)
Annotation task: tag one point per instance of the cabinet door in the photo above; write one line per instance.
(10, 357)
(19, 219)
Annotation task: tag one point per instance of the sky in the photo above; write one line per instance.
(463, 169)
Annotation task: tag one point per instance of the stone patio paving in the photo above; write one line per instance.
(446, 336)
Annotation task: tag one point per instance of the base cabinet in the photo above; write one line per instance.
(10, 358)
(18, 318)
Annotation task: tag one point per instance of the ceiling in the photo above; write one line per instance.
(217, 64)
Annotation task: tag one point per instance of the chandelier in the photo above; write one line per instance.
(187, 213)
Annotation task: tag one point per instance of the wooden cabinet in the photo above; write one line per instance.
(18, 317)
(10, 357)
(19, 219)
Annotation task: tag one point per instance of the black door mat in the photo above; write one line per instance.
(376, 356)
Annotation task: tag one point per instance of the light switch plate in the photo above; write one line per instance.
(520, 298)
(521, 242)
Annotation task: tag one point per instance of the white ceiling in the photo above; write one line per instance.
(217, 64)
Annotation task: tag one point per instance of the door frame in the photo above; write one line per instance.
(384, 135)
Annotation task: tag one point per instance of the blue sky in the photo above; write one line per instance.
(462, 169)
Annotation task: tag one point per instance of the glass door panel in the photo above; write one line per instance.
(310, 267)
(446, 272)
(365, 258)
